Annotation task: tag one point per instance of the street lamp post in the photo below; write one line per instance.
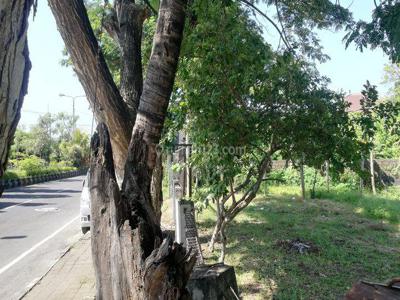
(73, 105)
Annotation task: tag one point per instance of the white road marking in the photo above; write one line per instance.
(8, 207)
(47, 209)
(6, 267)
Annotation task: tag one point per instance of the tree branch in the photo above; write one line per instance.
(130, 18)
(160, 73)
(251, 5)
(280, 20)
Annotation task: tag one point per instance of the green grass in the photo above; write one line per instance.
(384, 206)
(358, 238)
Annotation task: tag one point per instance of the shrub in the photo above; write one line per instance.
(14, 174)
(32, 165)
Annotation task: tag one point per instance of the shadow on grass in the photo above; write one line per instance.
(349, 249)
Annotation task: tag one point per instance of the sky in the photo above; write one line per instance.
(348, 69)
(48, 78)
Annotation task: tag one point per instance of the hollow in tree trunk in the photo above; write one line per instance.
(130, 258)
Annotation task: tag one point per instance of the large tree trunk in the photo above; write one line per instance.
(14, 70)
(131, 260)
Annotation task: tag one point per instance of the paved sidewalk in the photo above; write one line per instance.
(71, 278)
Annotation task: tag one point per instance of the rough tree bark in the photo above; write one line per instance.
(14, 70)
(116, 108)
(156, 187)
(130, 259)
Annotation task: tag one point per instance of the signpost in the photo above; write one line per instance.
(183, 210)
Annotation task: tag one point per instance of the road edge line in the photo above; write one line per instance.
(34, 247)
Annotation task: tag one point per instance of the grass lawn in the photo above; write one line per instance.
(357, 239)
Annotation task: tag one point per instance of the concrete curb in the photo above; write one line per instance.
(6, 184)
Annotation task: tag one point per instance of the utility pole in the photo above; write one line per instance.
(188, 168)
(73, 106)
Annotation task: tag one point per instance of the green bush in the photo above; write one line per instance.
(348, 179)
(34, 166)
(291, 176)
(14, 174)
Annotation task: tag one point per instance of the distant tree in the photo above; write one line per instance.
(392, 77)
(22, 144)
(372, 115)
(53, 138)
(64, 125)
(387, 141)
(75, 150)
(42, 137)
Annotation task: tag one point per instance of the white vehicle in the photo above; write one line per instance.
(85, 206)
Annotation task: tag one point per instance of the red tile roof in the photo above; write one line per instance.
(354, 100)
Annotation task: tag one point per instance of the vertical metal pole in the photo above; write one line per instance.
(73, 114)
(171, 192)
(188, 169)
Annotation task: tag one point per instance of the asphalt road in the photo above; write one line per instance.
(37, 224)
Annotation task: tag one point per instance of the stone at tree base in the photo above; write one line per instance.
(211, 282)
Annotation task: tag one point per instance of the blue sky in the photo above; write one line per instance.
(348, 69)
(48, 78)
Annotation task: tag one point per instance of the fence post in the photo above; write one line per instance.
(303, 186)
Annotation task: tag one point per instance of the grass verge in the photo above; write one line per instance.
(357, 238)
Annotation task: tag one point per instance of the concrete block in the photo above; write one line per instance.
(213, 282)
